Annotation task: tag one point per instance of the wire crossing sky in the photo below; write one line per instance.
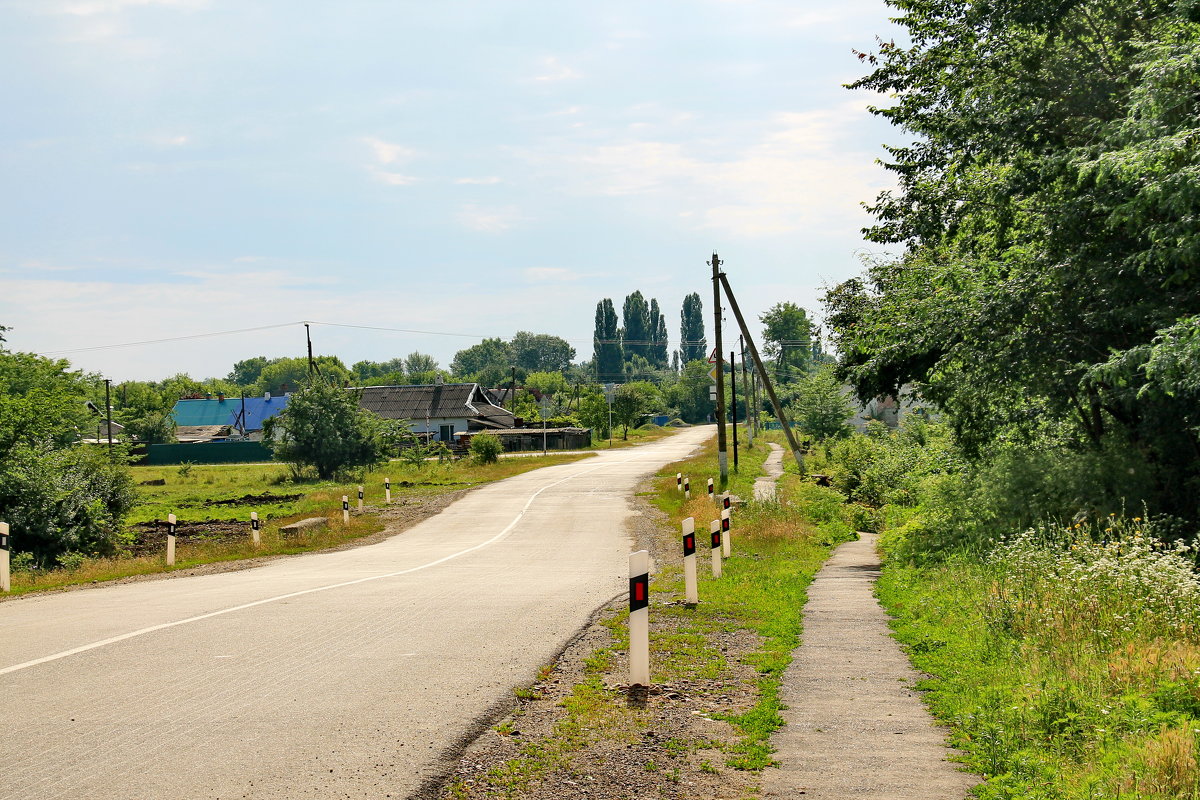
(182, 167)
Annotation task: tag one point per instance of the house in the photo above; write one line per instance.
(215, 419)
(443, 409)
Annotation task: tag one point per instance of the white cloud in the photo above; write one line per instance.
(550, 275)
(490, 180)
(394, 178)
(555, 70)
(489, 220)
(389, 152)
(88, 8)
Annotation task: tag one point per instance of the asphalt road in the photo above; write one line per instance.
(350, 674)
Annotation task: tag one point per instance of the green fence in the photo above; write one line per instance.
(207, 453)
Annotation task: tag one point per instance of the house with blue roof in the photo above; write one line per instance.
(224, 418)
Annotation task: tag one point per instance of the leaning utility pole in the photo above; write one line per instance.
(308, 337)
(733, 403)
(783, 420)
(722, 454)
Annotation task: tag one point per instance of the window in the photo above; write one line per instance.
(446, 433)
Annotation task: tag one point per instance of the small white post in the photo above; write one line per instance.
(360, 499)
(679, 481)
(690, 596)
(687, 488)
(5, 575)
(387, 491)
(170, 540)
(725, 501)
(726, 522)
(639, 618)
(715, 529)
(254, 527)
(711, 494)
(345, 510)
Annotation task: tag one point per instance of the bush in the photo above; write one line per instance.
(485, 448)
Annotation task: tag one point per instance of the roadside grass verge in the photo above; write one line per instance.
(1066, 661)
(221, 497)
(640, 435)
(725, 657)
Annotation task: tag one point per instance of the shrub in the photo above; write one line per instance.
(485, 448)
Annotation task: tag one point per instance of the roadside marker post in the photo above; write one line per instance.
(715, 529)
(360, 499)
(679, 481)
(254, 527)
(690, 596)
(711, 495)
(639, 618)
(687, 488)
(726, 502)
(345, 510)
(726, 522)
(170, 540)
(387, 491)
(5, 575)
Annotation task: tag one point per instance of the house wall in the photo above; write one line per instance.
(435, 424)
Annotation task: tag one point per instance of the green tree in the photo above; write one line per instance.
(820, 405)
(689, 394)
(632, 402)
(541, 352)
(417, 362)
(657, 351)
(635, 331)
(486, 448)
(324, 429)
(606, 343)
(246, 372)
(787, 340)
(288, 374)
(490, 354)
(692, 344)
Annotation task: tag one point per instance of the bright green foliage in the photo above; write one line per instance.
(1048, 204)
(486, 448)
(689, 394)
(284, 375)
(541, 352)
(607, 343)
(819, 406)
(656, 353)
(57, 495)
(490, 357)
(324, 429)
(787, 341)
(632, 402)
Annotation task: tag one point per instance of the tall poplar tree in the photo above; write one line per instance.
(636, 317)
(606, 343)
(657, 355)
(692, 344)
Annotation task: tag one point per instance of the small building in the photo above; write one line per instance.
(442, 409)
(520, 440)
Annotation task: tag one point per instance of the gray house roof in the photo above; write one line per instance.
(436, 401)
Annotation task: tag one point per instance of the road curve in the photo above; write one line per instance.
(347, 674)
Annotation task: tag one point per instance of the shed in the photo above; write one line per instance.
(442, 408)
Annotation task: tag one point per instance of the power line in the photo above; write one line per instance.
(168, 339)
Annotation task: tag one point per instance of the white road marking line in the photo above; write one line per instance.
(200, 617)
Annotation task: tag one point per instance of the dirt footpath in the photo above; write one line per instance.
(855, 727)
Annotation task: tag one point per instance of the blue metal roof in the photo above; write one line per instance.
(228, 411)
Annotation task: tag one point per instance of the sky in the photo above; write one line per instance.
(173, 168)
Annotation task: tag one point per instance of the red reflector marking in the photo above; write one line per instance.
(639, 592)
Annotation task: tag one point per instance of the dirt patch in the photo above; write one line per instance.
(661, 743)
(266, 498)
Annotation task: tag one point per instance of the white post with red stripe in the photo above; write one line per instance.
(345, 510)
(5, 575)
(639, 618)
(679, 481)
(687, 488)
(170, 540)
(711, 494)
(254, 528)
(715, 530)
(387, 491)
(690, 595)
(360, 499)
(726, 523)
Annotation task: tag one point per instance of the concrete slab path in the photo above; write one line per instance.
(764, 487)
(855, 727)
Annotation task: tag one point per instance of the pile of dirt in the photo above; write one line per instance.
(266, 498)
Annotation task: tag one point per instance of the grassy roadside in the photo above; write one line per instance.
(703, 729)
(213, 505)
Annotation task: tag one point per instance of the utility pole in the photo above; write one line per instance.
(748, 388)
(722, 446)
(779, 413)
(108, 411)
(308, 337)
(733, 401)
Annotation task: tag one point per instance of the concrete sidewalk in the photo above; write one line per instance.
(855, 727)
